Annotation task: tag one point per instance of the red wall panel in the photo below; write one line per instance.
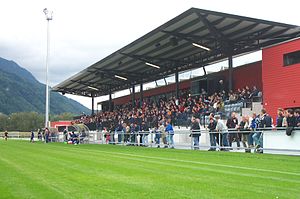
(246, 75)
(152, 92)
(60, 123)
(280, 84)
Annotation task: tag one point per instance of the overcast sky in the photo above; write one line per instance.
(85, 31)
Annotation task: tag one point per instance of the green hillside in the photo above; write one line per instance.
(21, 92)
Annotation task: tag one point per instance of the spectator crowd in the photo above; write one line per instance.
(137, 121)
(176, 111)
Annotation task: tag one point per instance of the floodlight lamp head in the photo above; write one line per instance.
(45, 11)
(48, 14)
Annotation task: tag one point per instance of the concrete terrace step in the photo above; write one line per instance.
(256, 107)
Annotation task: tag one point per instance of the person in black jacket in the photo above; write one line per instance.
(297, 115)
(195, 132)
(264, 124)
(232, 123)
(144, 132)
(212, 136)
(5, 135)
(265, 119)
(279, 119)
(291, 119)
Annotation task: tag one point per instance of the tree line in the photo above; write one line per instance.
(28, 121)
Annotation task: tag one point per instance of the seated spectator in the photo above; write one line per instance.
(232, 98)
(254, 92)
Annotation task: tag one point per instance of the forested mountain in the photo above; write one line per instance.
(21, 92)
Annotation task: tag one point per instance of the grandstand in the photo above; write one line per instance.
(112, 168)
(195, 39)
(171, 47)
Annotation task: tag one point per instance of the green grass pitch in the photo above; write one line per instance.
(56, 170)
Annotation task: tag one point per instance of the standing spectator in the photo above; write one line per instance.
(5, 135)
(244, 126)
(291, 119)
(160, 133)
(65, 135)
(127, 134)
(265, 122)
(106, 135)
(221, 128)
(253, 126)
(39, 135)
(232, 124)
(157, 136)
(162, 129)
(119, 132)
(32, 137)
(170, 132)
(291, 122)
(144, 132)
(137, 130)
(297, 115)
(195, 132)
(221, 86)
(112, 133)
(213, 136)
(47, 133)
(132, 137)
(279, 119)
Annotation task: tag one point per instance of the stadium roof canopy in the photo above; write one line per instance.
(193, 39)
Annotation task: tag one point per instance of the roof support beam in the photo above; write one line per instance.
(240, 31)
(87, 85)
(146, 58)
(112, 71)
(258, 33)
(177, 84)
(217, 34)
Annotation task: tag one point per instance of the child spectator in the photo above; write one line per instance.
(5, 135)
(32, 137)
(106, 135)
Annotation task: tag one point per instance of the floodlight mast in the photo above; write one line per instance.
(48, 15)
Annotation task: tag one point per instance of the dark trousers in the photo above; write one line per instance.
(233, 136)
(157, 138)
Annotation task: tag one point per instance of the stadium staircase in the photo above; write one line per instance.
(254, 108)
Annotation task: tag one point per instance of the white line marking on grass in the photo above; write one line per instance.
(197, 162)
(205, 163)
(186, 166)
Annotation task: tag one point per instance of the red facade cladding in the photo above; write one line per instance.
(153, 92)
(246, 75)
(60, 123)
(281, 84)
